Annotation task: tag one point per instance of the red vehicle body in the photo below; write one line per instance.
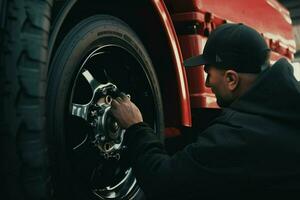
(56, 53)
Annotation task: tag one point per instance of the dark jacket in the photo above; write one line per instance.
(253, 147)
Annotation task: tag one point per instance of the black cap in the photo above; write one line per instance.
(234, 46)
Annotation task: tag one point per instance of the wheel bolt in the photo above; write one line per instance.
(102, 138)
(93, 113)
(108, 99)
(114, 126)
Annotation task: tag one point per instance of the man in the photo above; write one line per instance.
(253, 147)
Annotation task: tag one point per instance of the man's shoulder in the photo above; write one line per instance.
(237, 118)
(231, 120)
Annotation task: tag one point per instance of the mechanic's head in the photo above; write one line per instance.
(233, 56)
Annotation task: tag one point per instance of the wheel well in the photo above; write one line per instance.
(142, 18)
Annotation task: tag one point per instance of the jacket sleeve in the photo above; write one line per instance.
(199, 166)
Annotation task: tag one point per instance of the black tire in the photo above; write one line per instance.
(23, 73)
(118, 41)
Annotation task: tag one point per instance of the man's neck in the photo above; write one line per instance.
(246, 82)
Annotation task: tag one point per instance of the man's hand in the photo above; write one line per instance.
(126, 112)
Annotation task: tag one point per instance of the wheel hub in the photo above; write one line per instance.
(110, 176)
(108, 135)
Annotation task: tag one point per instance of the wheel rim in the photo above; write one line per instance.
(106, 178)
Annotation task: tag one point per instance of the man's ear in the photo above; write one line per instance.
(232, 79)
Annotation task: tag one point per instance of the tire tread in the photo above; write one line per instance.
(23, 85)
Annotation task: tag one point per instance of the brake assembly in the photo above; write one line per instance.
(107, 134)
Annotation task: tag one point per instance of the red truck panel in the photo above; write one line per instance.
(202, 16)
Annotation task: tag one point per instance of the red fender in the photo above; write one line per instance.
(184, 97)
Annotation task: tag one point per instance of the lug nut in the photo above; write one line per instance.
(93, 113)
(114, 126)
(108, 99)
(107, 146)
(117, 156)
(102, 138)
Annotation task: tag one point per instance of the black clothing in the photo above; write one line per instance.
(254, 146)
